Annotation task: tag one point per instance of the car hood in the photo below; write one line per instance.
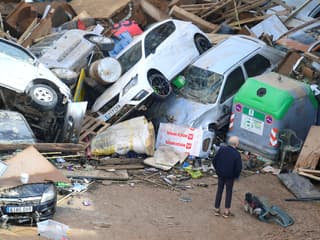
(182, 111)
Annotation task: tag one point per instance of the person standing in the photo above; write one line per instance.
(228, 165)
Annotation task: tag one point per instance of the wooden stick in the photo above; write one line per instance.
(309, 176)
(308, 170)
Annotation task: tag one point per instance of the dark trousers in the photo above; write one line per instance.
(229, 185)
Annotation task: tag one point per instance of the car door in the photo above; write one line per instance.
(233, 81)
(159, 55)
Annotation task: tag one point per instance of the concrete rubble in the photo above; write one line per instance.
(136, 92)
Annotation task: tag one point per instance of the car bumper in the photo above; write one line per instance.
(40, 212)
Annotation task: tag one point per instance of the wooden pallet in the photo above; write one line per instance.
(91, 127)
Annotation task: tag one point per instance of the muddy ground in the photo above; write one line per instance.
(143, 211)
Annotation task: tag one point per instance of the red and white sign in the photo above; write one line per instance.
(181, 138)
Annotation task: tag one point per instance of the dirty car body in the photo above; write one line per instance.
(148, 64)
(29, 87)
(28, 203)
(211, 81)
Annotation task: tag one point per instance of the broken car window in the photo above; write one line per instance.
(15, 52)
(202, 85)
(157, 36)
(233, 83)
(130, 57)
(256, 65)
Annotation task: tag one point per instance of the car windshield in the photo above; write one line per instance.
(201, 85)
(15, 52)
(130, 57)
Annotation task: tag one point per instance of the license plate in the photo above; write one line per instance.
(24, 209)
(252, 124)
(112, 112)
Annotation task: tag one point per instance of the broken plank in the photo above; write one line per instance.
(184, 15)
(309, 171)
(309, 176)
(120, 175)
(119, 161)
(310, 153)
(45, 147)
(121, 167)
(248, 20)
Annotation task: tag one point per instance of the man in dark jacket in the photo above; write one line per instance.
(228, 165)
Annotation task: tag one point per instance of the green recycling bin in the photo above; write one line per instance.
(267, 104)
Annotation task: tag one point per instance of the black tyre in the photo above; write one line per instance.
(104, 43)
(43, 96)
(160, 85)
(202, 43)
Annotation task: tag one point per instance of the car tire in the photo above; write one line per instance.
(104, 43)
(202, 43)
(160, 84)
(43, 96)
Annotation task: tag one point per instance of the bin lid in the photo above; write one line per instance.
(273, 93)
(265, 98)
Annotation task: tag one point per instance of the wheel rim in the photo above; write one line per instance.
(159, 84)
(43, 94)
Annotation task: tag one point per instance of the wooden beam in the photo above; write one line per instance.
(309, 176)
(45, 147)
(153, 11)
(184, 15)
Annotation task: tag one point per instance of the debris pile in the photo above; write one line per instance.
(147, 91)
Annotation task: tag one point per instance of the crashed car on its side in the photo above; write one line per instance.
(210, 82)
(23, 73)
(149, 63)
(28, 203)
(29, 87)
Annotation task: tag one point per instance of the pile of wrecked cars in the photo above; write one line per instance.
(67, 79)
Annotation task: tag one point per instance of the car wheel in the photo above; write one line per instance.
(43, 97)
(104, 43)
(202, 43)
(160, 84)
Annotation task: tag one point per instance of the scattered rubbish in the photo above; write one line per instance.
(269, 169)
(259, 207)
(166, 157)
(185, 199)
(86, 203)
(78, 187)
(53, 230)
(193, 173)
(40, 170)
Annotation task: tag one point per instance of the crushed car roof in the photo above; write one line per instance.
(232, 50)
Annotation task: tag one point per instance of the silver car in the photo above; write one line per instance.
(211, 81)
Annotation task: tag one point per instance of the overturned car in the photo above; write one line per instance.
(28, 203)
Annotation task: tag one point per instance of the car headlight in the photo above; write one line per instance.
(140, 95)
(130, 84)
(49, 194)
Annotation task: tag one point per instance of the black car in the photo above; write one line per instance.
(28, 203)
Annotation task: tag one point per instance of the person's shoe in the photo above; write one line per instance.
(227, 214)
(217, 212)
